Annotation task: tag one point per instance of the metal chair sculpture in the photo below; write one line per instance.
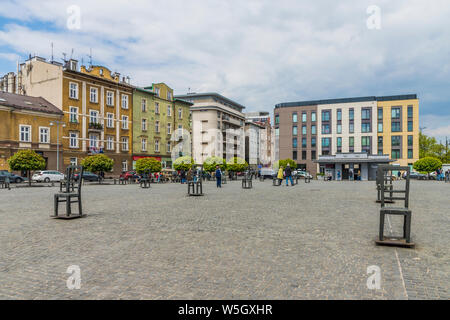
(197, 188)
(145, 180)
(5, 183)
(403, 194)
(383, 178)
(307, 177)
(70, 195)
(276, 182)
(68, 183)
(224, 179)
(247, 181)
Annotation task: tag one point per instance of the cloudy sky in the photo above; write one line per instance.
(258, 53)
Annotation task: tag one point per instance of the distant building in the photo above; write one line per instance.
(217, 126)
(261, 124)
(26, 123)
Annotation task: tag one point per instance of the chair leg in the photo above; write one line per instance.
(68, 206)
(405, 221)
(56, 205)
(381, 233)
(80, 207)
(408, 228)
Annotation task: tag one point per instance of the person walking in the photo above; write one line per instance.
(218, 177)
(183, 176)
(280, 175)
(189, 175)
(288, 174)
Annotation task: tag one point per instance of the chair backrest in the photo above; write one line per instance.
(71, 171)
(397, 193)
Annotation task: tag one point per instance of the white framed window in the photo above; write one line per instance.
(124, 166)
(157, 126)
(44, 135)
(169, 128)
(73, 161)
(93, 116)
(156, 108)
(144, 105)
(169, 95)
(110, 98)
(169, 147)
(110, 120)
(156, 145)
(110, 143)
(25, 133)
(93, 141)
(144, 144)
(157, 91)
(94, 95)
(180, 113)
(169, 111)
(144, 125)
(124, 143)
(124, 101)
(125, 122)
(73, 90)
(73, 139)
(73, 114)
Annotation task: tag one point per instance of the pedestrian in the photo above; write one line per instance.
(288, 174)
(183, 176)
(339, 175)
(189, 175)
(218, 177)
(280, 175)
(399, 175)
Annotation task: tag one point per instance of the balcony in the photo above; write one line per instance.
(93, 126)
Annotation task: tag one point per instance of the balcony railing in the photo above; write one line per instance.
(95, 126)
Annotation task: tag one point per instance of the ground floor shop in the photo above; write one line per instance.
(122, 162)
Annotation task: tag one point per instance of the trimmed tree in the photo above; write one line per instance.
(237, 165)
(145, 164)
(183, 163)
(211, 163)
(26, 160)
(427, 165)
(98, 164)
(285, 162)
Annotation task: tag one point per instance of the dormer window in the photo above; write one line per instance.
(101, 72)
(73, 65)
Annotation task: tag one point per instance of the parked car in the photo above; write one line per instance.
(13, 178)
(416, 175)
(303, 174)
(130, 175)
(47, 176)
(267, 173)
(87, 176)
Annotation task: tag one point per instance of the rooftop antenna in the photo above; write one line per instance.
(71, 54)
(52, 54)
(90, 57)
(65, 56)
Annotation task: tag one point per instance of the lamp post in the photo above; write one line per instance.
(57, 123)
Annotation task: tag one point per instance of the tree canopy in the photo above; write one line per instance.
(26, 160)
(145, 164)
(211, 162)
(183, 163)
(237, 165)
(427, 165)
(429, 147)
(284, 163)
(98, 163)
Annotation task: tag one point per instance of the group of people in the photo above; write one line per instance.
(442, 175)
(285, 173)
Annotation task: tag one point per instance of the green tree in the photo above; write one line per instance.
(429, 147)
(211, 163)
(145, 164)
(285, 162)
(98, 163)
(26, 160)
(427, 165)
(183, 163)
(237, 165)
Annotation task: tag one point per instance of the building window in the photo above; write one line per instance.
(110, 120)
(313, 117)
(156, 145)
(313, 154)
(410, 126)
(277, 131)
(73, 140)
(294, 155)
(366, 127)
(339, 128)
(110, 98)
(93, 116)
(73, 114)
(144, 125)
(157, 91)
(410, 112)
(294, 130)
(313, 129)
(169, 96)
(395, 154)
(304, 130)
(169, 147)
(144, 105)
(73, 90)
(277, 119)
(396, 141)
(44, 135)
(303, 142)
(410, 154)
(351, 142)
(25, 133)
(339, 115)
(73, 161)
(365, 144)
(157, 126)
(180, 113)
(339, 144)
(110, 143)
(124, 122)
(380, 113)
(313, 142)
(351, 128)
(124, 166)
(380, 127)
(304, 117)
(325, 115)
(294, 118)
(365, 114)
(294, 143)
(304, 155)
(410, 141)
(124, 143)
(144, 144)
(351, 114)
(156, 108)
(124, 101)
(169, 111)
(93, 141)
(94, 95)
(325, 142)
(396, 127)
(326, 129)
(169, 128)
(396, 112)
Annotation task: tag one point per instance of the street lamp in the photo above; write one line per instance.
(62, 124)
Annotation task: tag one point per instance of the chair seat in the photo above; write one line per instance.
(66, 195)
(395, 210)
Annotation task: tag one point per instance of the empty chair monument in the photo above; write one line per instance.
(384, 178)
(71, 194)
(400, 193)
(247, 181)
(145, 179)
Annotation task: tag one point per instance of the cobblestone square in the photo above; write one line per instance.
(310, 241)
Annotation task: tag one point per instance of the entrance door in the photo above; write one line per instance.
(345, 172)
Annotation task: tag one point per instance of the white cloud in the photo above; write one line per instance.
(258, 53)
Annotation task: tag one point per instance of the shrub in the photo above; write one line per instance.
(427, 165)
(183, 163)
(145, 164)
(98, 163)
(210, 164)
(26, 160)
(237, 165)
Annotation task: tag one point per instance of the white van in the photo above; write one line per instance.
(48, 176)
(267, 173)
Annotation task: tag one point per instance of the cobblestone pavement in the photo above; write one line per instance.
(311, 241)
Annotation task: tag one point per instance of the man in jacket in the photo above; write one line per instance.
(288, 174)
(218, 177)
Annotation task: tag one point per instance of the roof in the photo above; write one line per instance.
(37, 104)
(356, 157)
(346, 100)
(211, 94)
